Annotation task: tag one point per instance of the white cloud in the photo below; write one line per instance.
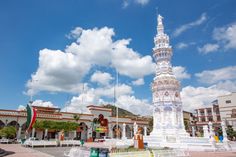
(181, 45)
(142, 2)
(226, 36)
(181, 72)
(75, 33)
(43, 103)
(134, 105)
(217, 75)
(101, 78)
(138, 82)
(126, 3)
(60, 71)
(207, 48)
(79, 103)
(227, 85)
(121, 89)
(198, 97)
(21, 108)
(130, 63)
(187, 26)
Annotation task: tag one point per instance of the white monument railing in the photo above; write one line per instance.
(131, 154)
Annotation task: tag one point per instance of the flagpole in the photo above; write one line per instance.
(116, 103)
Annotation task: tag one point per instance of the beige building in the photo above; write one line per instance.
(208, 114)
(227, 106)
(86, 126)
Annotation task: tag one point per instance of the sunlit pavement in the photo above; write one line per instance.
(212, 154)
(16, 150)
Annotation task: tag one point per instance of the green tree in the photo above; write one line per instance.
(8, 132)
(230, 132)
(76, 117)
(54, 125)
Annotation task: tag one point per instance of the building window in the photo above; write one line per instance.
(210, 119)
(209, 112)
(228, 101)
(203, 119)
(218, 118)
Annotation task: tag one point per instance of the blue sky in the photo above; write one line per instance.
(202, 34)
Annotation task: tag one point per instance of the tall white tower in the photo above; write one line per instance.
(168, 113)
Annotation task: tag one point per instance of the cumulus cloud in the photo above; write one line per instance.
(198, 97)
(138, 82)
(79, 103)
(207, 48)
(62, 71)
(217, 75)
(21, 108)
(121, 89)
(220, 82)
(190, 25)
(134, 105)
(181, 73)
(101, 78)
(226, 36)
(43, 103)
(130, 63)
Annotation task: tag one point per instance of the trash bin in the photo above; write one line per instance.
(145, 144)
(94, 152)
(103, 152)
(23, 140)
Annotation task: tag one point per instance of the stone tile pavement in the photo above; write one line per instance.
(16, 150)
(19, 151)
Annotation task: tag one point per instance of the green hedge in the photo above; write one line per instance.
(55, 125)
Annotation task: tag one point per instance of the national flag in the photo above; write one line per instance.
(31, 116)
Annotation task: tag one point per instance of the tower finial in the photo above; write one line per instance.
(160, 27)
(159, 19)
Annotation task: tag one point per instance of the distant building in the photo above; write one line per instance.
(227, 105)
(86, 127)
(208, 114)
(188, 121)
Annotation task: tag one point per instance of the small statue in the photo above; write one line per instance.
(138, 139)
(159, 19)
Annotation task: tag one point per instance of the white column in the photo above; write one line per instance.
(110, 131)
(206, 114)
(193, 131)
(145, 131)
(135, 128)
(225, 140)
(212, 139)
(33, 132)
(205, 131)
(124, 132)
(224, 131)
(75, 133)
(19, 132)
(46, 133)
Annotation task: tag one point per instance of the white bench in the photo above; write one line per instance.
(4, 140)
(42, 143)
(70, 143)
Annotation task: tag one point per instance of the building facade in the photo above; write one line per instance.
(227, 106)
(205, 115)
(86, 128)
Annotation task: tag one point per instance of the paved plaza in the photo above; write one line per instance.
(17, 150)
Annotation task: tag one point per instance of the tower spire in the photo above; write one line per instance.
(160, 27)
